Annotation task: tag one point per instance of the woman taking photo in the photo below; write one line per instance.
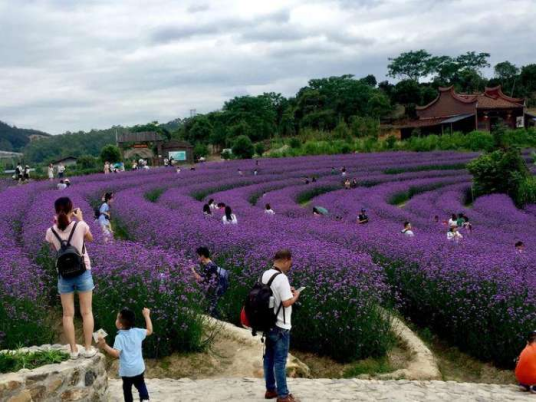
(68, 237)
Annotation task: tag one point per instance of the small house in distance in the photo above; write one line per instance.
(452, 111)
(68, 161)
(180, 151)
(152, 146)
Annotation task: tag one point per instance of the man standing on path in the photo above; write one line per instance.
(278, 339)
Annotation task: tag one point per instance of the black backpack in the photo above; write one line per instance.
(260, 315)
(69, 262)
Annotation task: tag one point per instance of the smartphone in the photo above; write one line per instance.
(301, 289)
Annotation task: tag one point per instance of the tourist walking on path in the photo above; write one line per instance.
(128, 348)
(50, 172)
(278, 338)
(107, 167)
(68, 239)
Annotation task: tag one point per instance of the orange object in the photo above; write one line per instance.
(526, 368)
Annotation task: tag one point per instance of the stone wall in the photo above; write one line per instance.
(72, 380)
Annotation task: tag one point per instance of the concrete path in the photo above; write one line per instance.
(245, 390)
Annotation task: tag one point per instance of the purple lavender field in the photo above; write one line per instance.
(477, 293)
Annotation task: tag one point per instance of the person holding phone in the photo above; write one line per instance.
(78, 232)
(278, 339)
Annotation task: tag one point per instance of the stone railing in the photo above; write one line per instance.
(72, 380)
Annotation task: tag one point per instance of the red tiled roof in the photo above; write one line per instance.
(453, 103)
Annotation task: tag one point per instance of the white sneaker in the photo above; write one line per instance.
(74, 355)
(89, 353)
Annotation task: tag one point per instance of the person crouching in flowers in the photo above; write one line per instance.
(408, 230)
(526, 365)
(128, 348)
(268, 210)
(453, 234)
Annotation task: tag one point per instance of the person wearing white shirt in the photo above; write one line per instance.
(454, 235)
(229, 218)
(268, 210)
(453, 221)
(278, 338)
(61, 185)
(212, 204)
(408, 230)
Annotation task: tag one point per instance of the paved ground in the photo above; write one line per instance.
(244, 390)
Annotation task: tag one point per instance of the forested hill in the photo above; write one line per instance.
(14, 139)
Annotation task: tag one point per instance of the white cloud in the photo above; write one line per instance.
(71, 65)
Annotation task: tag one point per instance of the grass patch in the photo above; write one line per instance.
(379, 365)
(455, 365)
(17, 360)
(306, 196)
(400, 199)
(455, 166)
(154, 195)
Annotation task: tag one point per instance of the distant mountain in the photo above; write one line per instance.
(14, 139)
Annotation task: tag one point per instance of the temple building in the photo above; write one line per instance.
(451, 112)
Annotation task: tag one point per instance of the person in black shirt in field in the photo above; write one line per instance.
(363, 217)
(208, 276)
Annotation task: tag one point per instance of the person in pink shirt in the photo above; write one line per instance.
(78, 232)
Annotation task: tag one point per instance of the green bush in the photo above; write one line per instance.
(295, 143)
(87, 162)
(259, 149)
(243, 147)
(502, 171)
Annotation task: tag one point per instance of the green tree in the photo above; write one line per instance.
(200, 150)
(505, 71)
(258, 113)
(379, 105)
(86, 162)
(413, 65)
(243, 147)
(200, 131)
(110, 153)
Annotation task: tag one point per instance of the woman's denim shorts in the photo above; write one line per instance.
(82, 283)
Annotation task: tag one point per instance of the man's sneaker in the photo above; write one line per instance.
(89, 353)
(288, 398)
(270, 395)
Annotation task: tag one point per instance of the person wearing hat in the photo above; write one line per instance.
(526, 365)
(363, 217)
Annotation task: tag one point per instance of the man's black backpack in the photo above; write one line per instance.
(260, 315)
(69, 262)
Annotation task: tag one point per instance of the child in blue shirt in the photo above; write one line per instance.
(127, 347)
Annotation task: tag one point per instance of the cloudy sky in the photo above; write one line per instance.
(82, 64)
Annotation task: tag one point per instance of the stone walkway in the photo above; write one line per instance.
(245, 390)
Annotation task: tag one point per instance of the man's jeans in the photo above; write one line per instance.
(275, 361)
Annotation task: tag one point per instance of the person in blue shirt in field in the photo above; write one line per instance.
(127, 347)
